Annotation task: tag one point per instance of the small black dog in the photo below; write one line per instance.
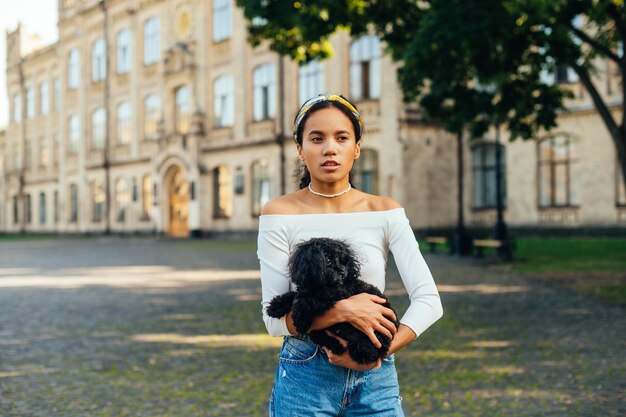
(326, 271)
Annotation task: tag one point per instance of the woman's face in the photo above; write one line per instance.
(329, 146)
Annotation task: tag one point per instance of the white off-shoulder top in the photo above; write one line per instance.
(372, 234)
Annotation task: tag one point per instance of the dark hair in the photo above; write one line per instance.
(302, 172)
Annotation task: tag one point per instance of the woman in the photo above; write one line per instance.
(311, 381)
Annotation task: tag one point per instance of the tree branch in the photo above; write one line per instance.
(595, 44)
(603, 110)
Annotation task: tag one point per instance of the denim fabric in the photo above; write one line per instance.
(307, 385)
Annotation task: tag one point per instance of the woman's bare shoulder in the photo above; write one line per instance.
(381, 203)
(285, 204)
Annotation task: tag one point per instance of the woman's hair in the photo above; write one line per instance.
(352, 114)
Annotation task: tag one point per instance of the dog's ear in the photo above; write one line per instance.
(306, 264)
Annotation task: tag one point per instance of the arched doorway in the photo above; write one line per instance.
(178, 195)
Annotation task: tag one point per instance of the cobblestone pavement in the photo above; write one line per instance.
(157, 327)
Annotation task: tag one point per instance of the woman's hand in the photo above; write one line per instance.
(366, 312)
(345, 360)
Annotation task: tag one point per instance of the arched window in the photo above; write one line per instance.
(29, 210)
(222, 20)
(224, 105)
(97, 200)
(73, 69)
(123, 51)
(98, 60)
(365, 68)
(558, 178)
(151, 41)
(17, 108)
(123, 123)
(484, 175)
(264, 92)
(44, 98)
(122, 198)
(366, 171)
(310, 81)
(151, 116)
(42, 208)
(98, 128)
(222, 192)
(73, 203)
(182, 114)
(30, 103)
(261, 185)
(73, 134)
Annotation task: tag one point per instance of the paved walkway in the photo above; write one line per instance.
(149, 327)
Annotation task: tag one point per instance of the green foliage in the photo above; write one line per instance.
(469, 63)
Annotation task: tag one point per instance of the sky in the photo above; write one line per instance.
(39, 17)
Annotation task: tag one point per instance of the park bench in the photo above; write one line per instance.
(433, 241)
(480, 244)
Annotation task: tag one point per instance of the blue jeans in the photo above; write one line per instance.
(306, 384)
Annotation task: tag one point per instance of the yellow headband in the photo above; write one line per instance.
(326, 97)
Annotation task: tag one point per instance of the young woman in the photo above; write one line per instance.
(311, 381)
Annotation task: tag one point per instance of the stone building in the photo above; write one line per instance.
(157, 116)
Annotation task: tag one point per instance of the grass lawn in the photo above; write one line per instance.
(594, 266)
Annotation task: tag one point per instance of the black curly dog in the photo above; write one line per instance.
(326, 271)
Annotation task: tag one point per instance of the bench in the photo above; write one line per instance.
(433, 241)
(480, 244)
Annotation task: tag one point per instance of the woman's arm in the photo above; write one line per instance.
(364, 311)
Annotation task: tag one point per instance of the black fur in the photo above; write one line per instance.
(326, 271)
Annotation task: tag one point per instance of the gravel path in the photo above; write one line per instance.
(150, 327)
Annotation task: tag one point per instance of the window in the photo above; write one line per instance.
(55, 206)
(16, 210)
(30, 103)
(123, 123)
(73, 134)
(222, 20)
(97, 200)
(151, 41)
(56, 149)
(29, 211)
(42, 208)
(44, 98)
(559, 181)
(222, 193)
(73, 69)
(484, 176)
(182, 114)
(28, 154)
(17, 108)
(44, 153)
(98, 128)
(98, 60)
(261, 189)
(310, 81)
(57, 94)
(264, 90)
(122, 198)
(146, 193)
(366, 171)
(620, 191)
(224, 105)
(151, 116)
(365, 68)
(123, 51)
(73, 203)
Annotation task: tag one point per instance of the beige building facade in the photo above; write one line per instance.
(156, 116)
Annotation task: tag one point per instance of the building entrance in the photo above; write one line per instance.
(178, 191)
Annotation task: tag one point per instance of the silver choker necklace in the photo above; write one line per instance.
(330, 195)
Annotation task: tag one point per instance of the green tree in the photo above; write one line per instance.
(469, 64)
